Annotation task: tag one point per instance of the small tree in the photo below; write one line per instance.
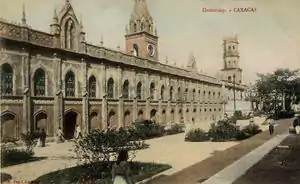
(30, 141)
(101, 147)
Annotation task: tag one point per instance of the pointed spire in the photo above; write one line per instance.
(101, 42)
(23, 15)
(192, 61)
(55, 17)
(80, 22)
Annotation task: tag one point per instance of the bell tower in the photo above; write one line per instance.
(231, 70)
(141, 35)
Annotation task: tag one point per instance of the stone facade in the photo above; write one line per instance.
(57, 79)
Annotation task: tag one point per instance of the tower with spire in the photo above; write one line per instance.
(231, 71)
(141, 35)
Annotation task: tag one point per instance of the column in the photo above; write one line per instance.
(27, 114)
(85, 103)
(58, 98)
(134, 95)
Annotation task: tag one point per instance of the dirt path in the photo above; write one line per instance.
(200, 171)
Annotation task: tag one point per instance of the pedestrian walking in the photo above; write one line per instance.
(296, 123)
(38, 137)
(43, 136)
(271, 125)
(78, 132)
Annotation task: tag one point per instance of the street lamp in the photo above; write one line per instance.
(234, 104)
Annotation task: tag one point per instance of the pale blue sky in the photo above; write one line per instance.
(269, 38)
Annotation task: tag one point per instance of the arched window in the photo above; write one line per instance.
(134, 27)
(92, 86)
(178, 94)
(186, 94)
(110, 88)
(194, 93)
(6, 79)
(135, 50)
(229, 78)
(162, 92)
(70, 84)
(209, 95)
(152, 89)
(39, 83)
(126, 89)
(139, 91)
(171, 92)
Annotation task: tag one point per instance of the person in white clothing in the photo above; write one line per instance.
(296, 123)
(77, 132)
(271, 125)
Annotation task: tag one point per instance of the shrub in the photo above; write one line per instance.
(11, 156)
(238, 115)
(248, 131)
(102, 147)
(197, 135)
(285, 114)
(175, 129)
(30, 141)
(147, 129)
(223, 130)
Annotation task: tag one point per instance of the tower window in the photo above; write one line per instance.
(135, 50)
(134, 27)
(229, 47)
(233, 47)
(229, 78)
(142, 27)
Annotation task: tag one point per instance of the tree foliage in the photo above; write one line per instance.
(269, 88)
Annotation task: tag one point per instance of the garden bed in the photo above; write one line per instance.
(74, 175)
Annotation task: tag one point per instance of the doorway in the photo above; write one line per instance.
(69, 125)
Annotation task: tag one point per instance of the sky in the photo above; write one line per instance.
(269, 38)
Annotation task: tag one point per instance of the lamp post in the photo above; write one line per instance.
(234, 104)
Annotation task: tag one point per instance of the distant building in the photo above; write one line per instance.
(57, 79)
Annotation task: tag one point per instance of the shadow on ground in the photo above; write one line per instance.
(5, 177)
(17, 162)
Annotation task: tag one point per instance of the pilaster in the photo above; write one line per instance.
(58, 98)
(120, 96)
(27, 109)
(169, 111)
(159, 111)
(85, 125)
(103, 81)
(147, 95)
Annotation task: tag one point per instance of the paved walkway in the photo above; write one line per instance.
(201, 171)
(238, 168)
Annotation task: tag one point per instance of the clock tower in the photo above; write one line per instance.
(141, 35)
